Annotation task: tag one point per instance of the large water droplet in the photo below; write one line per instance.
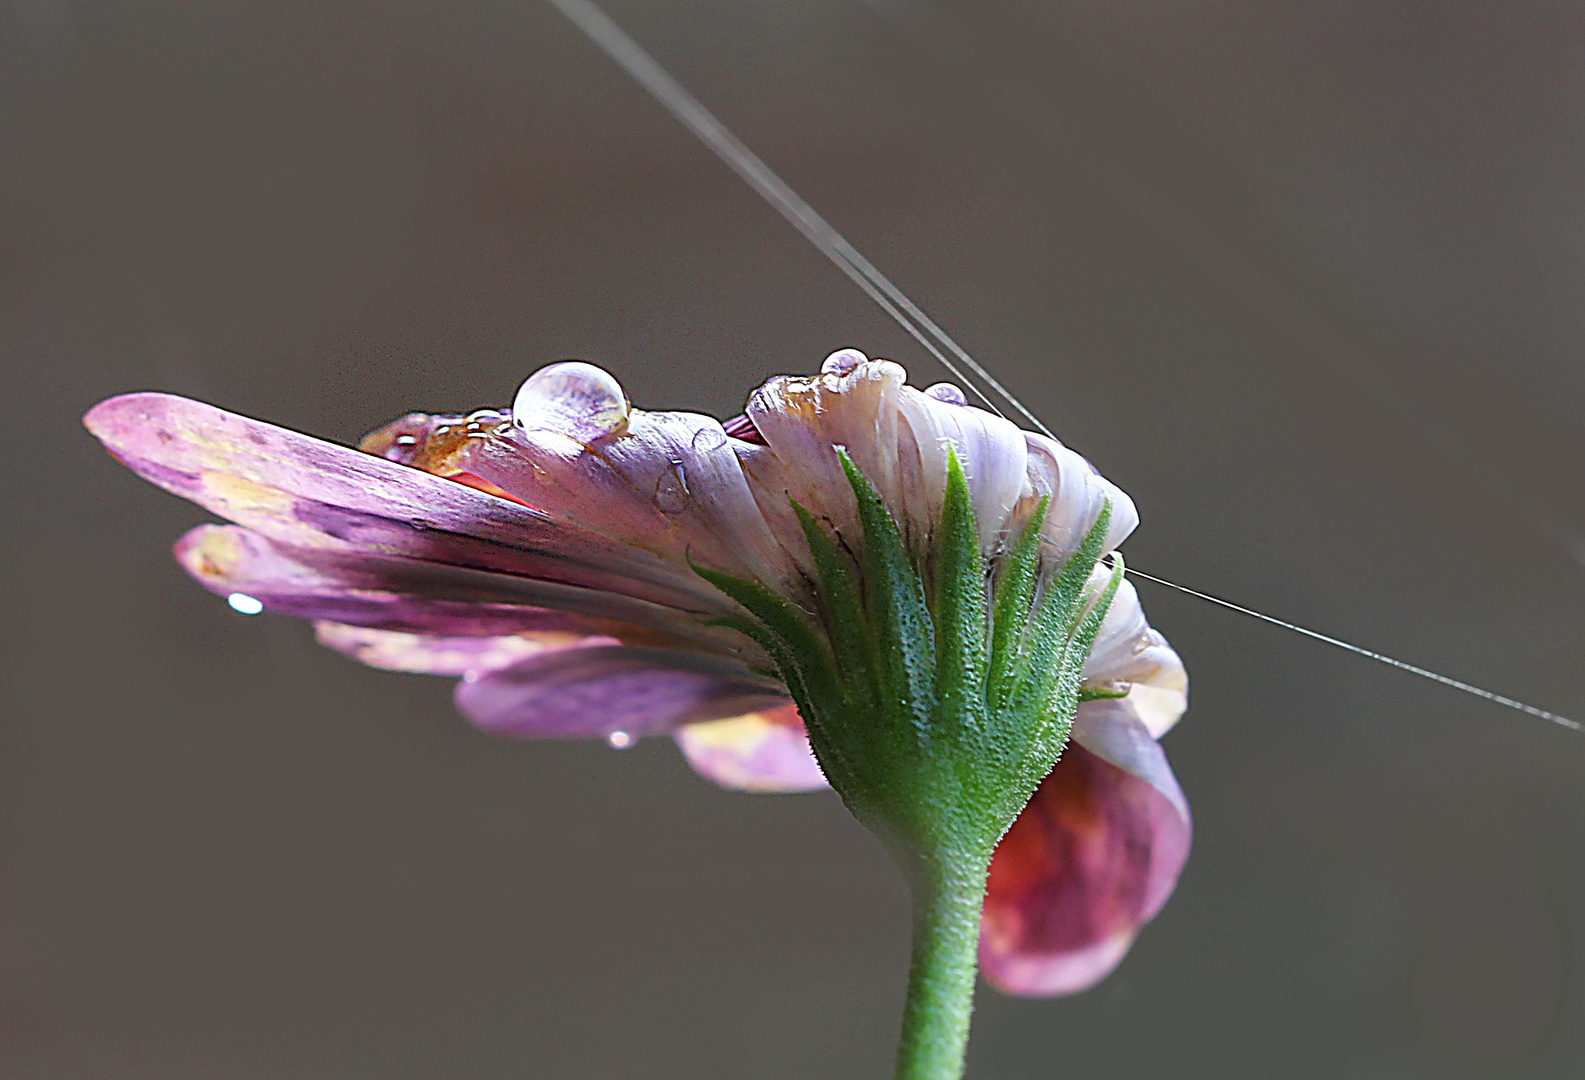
(620, 740)
(843, 362)
(576, 399)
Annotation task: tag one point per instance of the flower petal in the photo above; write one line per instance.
(425, 597)
(602, 689)
(1092, 858)
(1128, 651)
(666, 482)
(434, 654)
(766, 751)
(803, 420)
(991, 450)
(1113, 731)
(1077, 493)
(313, 494)
(898, 436)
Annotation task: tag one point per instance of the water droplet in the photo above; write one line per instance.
(620, 740)
(576, 399)
(947, 392)
(407, 440)
(243, 604)
(843, 362)
(709, 439)
(671, 490)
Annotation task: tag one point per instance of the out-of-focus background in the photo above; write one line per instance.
(1305, 279)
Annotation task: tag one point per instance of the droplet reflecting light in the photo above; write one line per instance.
(947, 392)
(576, 399)
(619, 740)
(243, 604)
(842, 362)
(671, 490)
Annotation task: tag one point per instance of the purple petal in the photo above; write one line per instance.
(424, 597)
(1091, 859)
(802, 421)
(598, 691)
(666, 482)
(762, 752)
(433, 654)
(1077, 494)
(313, 494)
(990, 450)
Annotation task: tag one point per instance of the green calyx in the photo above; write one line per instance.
(937, 693)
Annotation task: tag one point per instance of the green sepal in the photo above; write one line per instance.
(894, 600)
(1015, 592)
(1101, 693)
(1054, 620)
(935, 704)
(958, 607)
(803, 655)
(842, 605)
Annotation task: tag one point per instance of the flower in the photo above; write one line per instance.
(565, 559)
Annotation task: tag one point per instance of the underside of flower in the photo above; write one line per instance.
(938, 693)
(918, 582)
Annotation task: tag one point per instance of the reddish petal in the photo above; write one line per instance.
(1091, 859)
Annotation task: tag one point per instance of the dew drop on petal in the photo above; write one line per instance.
(671, 490)
(843, 362)
(576, 399)
(947, 392)
(709, 439)
(243, 604)
(620, 740)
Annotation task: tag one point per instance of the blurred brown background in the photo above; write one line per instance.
(1305, 279)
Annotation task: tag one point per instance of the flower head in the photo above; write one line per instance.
(588, 569)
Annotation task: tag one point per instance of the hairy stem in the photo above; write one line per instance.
(949, 893)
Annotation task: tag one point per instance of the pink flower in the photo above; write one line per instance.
(545, 556)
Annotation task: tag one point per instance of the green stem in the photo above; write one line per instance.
(948, 896)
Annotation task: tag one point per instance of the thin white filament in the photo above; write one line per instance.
(1413, 669)
(669, 93)
(740, 159)
(1225, 264)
